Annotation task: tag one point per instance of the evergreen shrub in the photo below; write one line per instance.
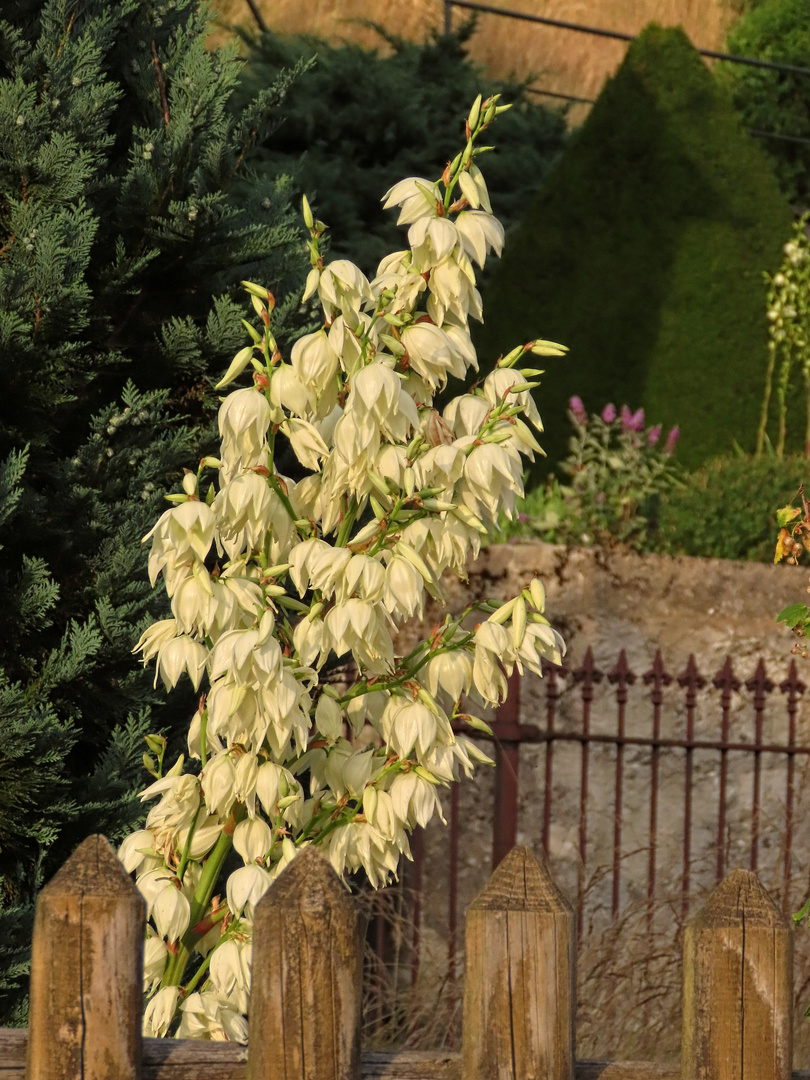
(775, 101)
(122, 243)
(644, 252)
(726, 509)
(358, 120)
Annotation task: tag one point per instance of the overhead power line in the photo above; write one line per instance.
(506, 13)
(591, 101)
(565, 97)
(776, 135)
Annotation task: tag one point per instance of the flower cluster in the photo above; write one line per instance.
(788, 334)
(275, 580)
(618, 470)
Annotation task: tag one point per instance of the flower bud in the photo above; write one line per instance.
(475, 113)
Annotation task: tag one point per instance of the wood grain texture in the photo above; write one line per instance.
(738, 979)
(520, 981)
(87, 971)
(182, 1059)
(307, 971)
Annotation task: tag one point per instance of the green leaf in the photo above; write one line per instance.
(793, 614)
(786, 514)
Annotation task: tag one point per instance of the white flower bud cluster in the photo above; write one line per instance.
(788, 315)
(273, 580)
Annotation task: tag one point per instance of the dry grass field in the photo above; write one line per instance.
(561, 60)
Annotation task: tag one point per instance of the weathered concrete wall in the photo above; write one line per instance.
(609, 600)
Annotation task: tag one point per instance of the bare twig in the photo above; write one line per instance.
(257, 15)
(161, 84)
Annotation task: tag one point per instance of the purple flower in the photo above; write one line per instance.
(523, 518)
(654, 435)
(609, 413)
(672, 440)
(578, 410)
(627, 419)
(638, 420)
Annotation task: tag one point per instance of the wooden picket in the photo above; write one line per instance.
(519, 996)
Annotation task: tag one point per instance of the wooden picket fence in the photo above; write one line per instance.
(305, 1017)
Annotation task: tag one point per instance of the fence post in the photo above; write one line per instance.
(87, 971)
(506, 727)
(307, 971)
(520, 983)
(738, 986)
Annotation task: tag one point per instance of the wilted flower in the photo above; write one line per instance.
(672, 440)
(653, 435)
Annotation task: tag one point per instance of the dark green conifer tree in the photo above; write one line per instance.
(644, 253)
(123, 240)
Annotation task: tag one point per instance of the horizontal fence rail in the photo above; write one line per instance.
(305, 1022)
(561, 24)
(582, 28)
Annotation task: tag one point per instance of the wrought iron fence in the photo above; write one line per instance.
(663, 698)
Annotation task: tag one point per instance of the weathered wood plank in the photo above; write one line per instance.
(182, 1059)
(519, 994)
(307, 972)
(738, 980)
(87, 971)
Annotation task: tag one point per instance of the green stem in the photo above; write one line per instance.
(173, 975)
(194, 981)
(181, 869)
(203, 737)
(781, 393)
(346, 525)
(766, 401)
(274, 484)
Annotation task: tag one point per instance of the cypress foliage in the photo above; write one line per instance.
(123, 239)
(644, 254)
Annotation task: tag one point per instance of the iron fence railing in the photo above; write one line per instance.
(668, 701)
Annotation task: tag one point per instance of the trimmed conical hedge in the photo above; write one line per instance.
(644, 254)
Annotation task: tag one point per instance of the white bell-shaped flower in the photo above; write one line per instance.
(252, 839)
(171, 912)
(246, 886)
(160, 1012)
(182, 655)
(155, 955)
(137, 847)
(217, 780)
(207, 1016)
